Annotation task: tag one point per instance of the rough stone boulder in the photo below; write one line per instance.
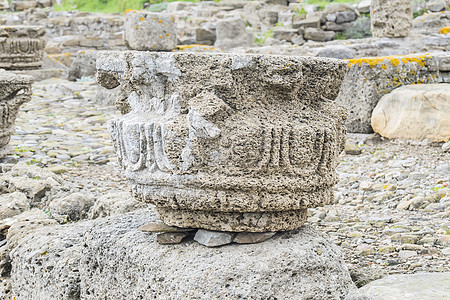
(111, 259)
(228, 142)
(391, 18)
(149, 31)
(414, 112)
(405, 286)
(369, 79)
(15, 90)
(21, 47)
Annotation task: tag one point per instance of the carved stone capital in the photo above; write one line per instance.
(249, 141)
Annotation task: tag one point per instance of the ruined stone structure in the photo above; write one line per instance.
(21, 47)
(14, 91)
(228, 142)
(391, 18)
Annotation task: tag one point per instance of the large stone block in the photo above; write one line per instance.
(229, 142)
(15, 90)
(21, 47)
(112, 259)
(414, 112)
(145, 30)
(391, 18)
(369, 79)
(119, 262)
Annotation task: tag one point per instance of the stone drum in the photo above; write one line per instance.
(15, 90)
(21, 47)
(229, 142)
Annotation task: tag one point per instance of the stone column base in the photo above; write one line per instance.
(234, 221)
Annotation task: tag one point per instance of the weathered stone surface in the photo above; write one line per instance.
(13, 204)
(252, 237)
(45, 263)
(110, 258)
(21, 47)
(414, 112)
(121, 262)
(149, 31)
(210, 238)
(15, 90)
(431, 23)
(114, 203)
(231, 33)
(234, 145)
(391, 18)
(369, 79)
(405, 286)
(71, 208)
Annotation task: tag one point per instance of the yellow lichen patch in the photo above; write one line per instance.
(142, 19)
(412, 72)
(383, 67)
(129, 10)
(160, 36)
(160, 21)
(137, 27)
(168, 34)
(445, 30)
(185, 47)
(393, 60)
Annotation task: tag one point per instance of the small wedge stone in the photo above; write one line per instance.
(210, 238)
(168, 238)
(252, 237)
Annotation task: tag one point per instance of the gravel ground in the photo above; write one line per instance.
(391, 212)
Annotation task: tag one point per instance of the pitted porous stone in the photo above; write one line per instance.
(149, 31)
(391, 18)
(15, 90)
(21, 47)
(228, 142)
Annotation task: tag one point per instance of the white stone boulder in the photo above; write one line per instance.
(405, 286)
(414, 112)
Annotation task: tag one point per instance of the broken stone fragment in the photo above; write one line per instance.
(210, 238)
